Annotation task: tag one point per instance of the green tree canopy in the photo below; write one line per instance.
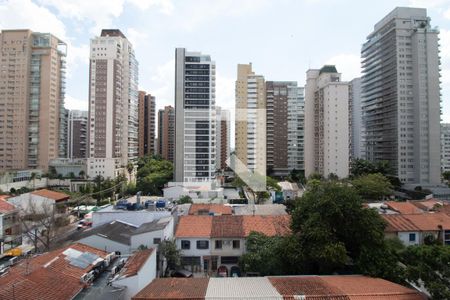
(359, 167)
(372, 186)
(168, 251)
(185, 199)
(153, 175)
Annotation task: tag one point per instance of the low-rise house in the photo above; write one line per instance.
(403, 207)
(40, 201)
(290, 190)
(260, 209)
(428, 204)
(278, 287)
(10, 233)
(412, 229)
(199, 192)
(125, 238)
(138, 272)
(214, 243)
(57, 275)
(135, 217)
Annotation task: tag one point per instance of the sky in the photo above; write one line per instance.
(282, 38)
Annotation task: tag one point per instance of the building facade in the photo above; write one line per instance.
(166, 133)
(355, 119)
(113, 105)
(326, 123)
(77, 134)
(146, 124)
(195, 132)
(285, 127)
(445, 147)
(32, 87)
(401, 95)
(250, 126)
(222, 137)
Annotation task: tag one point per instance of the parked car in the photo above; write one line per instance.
(182, 273)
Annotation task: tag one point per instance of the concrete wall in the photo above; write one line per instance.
(105, 244)
(134, 217)
(38, 183)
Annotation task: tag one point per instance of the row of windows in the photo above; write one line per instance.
(204, 244)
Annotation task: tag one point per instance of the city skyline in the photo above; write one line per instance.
(297, 39)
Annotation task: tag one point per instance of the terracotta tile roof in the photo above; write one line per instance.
(57, 196)
(445, 209)
(227, 227)
(48, 276)
(403, 207)
(135, 263)
(217, 209)
(429, 204)
(232, 226)
(268, 225)
(353, 287)
(417, 222)
(6, 207)
(194, 226)
(174, 288)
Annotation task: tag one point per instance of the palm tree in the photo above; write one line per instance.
(130, 168)
(81, 174)
(33, 178)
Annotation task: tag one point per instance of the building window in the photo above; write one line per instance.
(229, 260)
(204, 244)
(236, 244)
(412, 237)
(186, 245)
(218, 244)
(156, 241)
(447, 237)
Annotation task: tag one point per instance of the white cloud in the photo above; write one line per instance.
(27, 15)
(74, 103)
(163, 84)
(135, 36)
(347, 64)
(444, 37)
(447, 14)
(76, 56)
(165, 6)
(225, 96)
(428, 3)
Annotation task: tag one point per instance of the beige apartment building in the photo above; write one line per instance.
(250, 140)
(32, 84)
(327, 148)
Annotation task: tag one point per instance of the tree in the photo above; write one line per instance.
(359, 167)
(446, 175)
(372, 186)
(334, 230)
(33, 179)
(130, 169)
(429, 265)
(169, 254)
(81, 174)
(184, 199)
(153, 173)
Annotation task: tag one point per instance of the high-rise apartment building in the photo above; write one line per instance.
(326, 123)
(32, 85)
(355, 118)
(445, 147)
(250, 140)
(113, 105)
(166, 133)
(401, 95)
(222, 137)
(146, 124)
(77, 134)
(285, 121)
(195, 145)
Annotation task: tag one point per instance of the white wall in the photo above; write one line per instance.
(38, 183)
(144, 276)
(23, 202)
(193, 251)
(105, 244)
(404, 237)
(134, 217)
(146, 238)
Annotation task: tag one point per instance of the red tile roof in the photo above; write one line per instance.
(174, 288)
(6, 207)
(194, 226)
(232, 226)
(353, 287)
(429, 204)
(57, 196)
(48, 276)
(403, 207)
(135, 263)
(417, 222)
(217, 209)
(445, 209)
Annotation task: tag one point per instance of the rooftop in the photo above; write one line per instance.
(403, 207)
(261, 209)
(54, 275)
(336, 287)
(57, 196)
(232, 226)
(217, 209)
(135, 263)
(6, 207)
(417, 222)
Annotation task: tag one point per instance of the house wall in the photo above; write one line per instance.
(136, 283)
(24, 201)
(193, 251)
(134, 217)
(105, 244)
(404, 237)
